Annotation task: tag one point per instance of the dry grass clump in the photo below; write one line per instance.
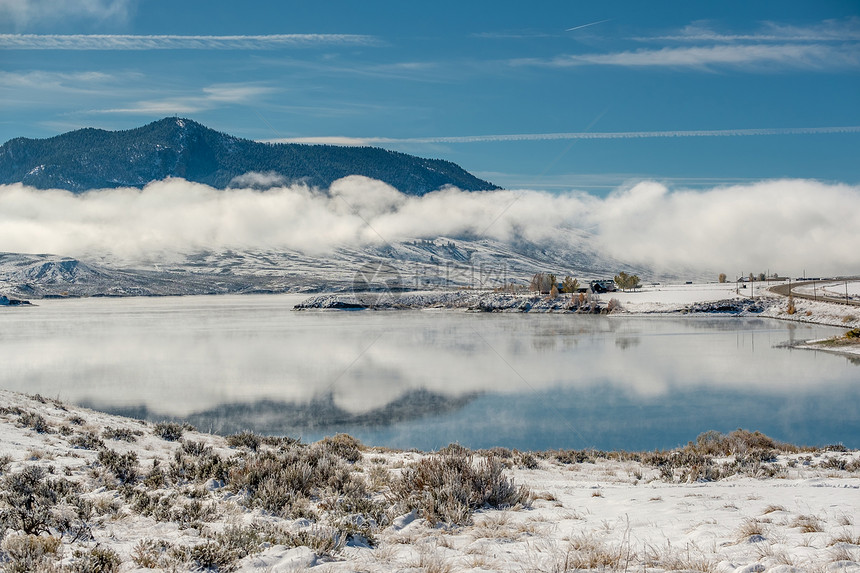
(447, 487)
(807, 523)
(670, 558)
(844, 536)
(584, 552)
(752, 530)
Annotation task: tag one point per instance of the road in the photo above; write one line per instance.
(784, 290)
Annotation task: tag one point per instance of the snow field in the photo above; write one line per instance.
(587, 511)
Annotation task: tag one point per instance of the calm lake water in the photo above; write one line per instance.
(426, 379)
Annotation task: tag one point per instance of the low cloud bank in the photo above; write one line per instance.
(785, 226)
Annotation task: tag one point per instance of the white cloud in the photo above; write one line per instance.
(828, 45)
(175, 42)
(211, 97)
(826, 31)
(256, 180)
(24, 13)
(48, 80)
(784, 225)
(759, 56)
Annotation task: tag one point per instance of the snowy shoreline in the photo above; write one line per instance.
(145, 496)
(670, 300)
(716, 298)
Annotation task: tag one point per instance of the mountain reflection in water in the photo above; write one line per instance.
(320, 415)
(426, 378)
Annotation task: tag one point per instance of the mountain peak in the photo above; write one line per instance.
(180, 147)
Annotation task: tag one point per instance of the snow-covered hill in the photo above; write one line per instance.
(416, 264)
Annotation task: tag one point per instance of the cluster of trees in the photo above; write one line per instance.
(547, 283)
(752, 277)
(626, 281)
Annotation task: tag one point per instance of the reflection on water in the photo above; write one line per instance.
(423, 379)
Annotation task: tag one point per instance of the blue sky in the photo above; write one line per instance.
(550, 95)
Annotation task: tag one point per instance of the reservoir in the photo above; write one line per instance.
(423, 379)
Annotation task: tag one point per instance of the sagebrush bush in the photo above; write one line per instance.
(121, 434)
(147, 554)
(201, 465)
(88, 441)
(28, 500)
(213, 556)
(280, 481)
(28, 553)
(321, 540)
(344, 446)
(193, 448)
(35, 422)
(448, 487)
(528, 461)
(97, 560)
(170, 431)
(244, 439)
(123, 466)
(737, 442)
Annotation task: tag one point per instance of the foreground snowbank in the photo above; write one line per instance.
(139, 496)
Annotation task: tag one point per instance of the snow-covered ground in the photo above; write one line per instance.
(682, 511)
(835, 289)
(650, 299)
(675, 297)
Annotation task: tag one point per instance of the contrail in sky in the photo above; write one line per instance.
(587, 25)
(577, 135)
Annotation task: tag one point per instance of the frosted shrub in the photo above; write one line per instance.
(170, 431)
(35, 422)
(212, 556)
(121, 434)
(88, 441)
(244, 439)
(448, 487)
(27, 500)
(123, 466)
(279, 481)
(27, 553)
(343, 446)
(97, 560)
